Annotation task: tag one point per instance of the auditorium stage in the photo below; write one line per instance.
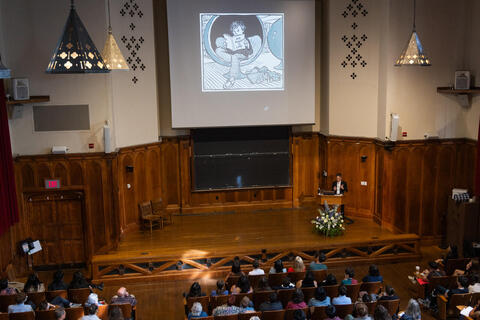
(208, 243)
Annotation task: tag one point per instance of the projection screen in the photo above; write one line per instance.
(241, 63)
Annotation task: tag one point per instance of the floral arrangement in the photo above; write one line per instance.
(329, 222)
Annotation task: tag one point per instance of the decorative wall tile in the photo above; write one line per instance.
(352, 62)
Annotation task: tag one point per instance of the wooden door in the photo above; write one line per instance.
(56, 219)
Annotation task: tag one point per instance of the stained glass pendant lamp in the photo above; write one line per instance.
(413, 54)
(111, 53)
(75, 51)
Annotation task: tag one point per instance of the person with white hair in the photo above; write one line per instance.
(412, 312)
(254, 318)
(197, 311)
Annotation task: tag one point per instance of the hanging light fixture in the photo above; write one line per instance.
(4, 71)
(413, 54)
(111, 53)
(75, 51)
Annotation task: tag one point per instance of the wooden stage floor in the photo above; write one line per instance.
(220, 236)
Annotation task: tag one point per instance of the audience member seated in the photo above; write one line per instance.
(57, 283)
(33, 284)
(297, 300)
(91, 312)
(320, 299)
(20, 305)
(330, 280)
(472, 268)
(242, 286)
(286, 284)
(228, 308)
(236, 267)
(475, 312)
(361, 311)
(389, 294)
(366, 298)
(349, 274)
(299, 315)
(254, 318)
(60, 313)
(221, 290)
(197, 311)
(256, 269)
(452, 253)
(115, 313)
(432, 271)
(45, 306)
(342, 296)
(195, 291)
(373, 275)
(308, 282)
(272, 304)
(298, 265)
(431, 300)
(331, 313)
(123, 297)
(93, 300)
(78, 281)
(318, 263)
(381, 313)
(5, 290)
(246, 305)
(475, 286)
(412, 312)
(263, 285)
(277, 267)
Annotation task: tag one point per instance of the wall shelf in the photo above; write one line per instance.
(464, 97)
(449, 90)
(33, 99)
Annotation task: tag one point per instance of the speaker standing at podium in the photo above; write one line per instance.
(339, 187)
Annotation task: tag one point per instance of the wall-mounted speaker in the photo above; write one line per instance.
(395, 119)
(462, 80)
(20, 89)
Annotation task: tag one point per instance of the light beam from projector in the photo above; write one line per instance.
(242, 51)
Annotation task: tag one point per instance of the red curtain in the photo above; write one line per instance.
(8, 195)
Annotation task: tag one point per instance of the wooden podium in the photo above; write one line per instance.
(332, 200)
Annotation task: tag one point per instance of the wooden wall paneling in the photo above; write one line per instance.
(95, 222)
(377, 213)
(387, 189)
(175, 158)
(344, 156)
(465, 165)
(400, 188)
(28, 176)
(429, 182)
(109, 213)
(130, 207)
(76, 173)
(43, 172)
(305, 167)
(414, 189)
(445, 183)
(322, 160)
(365, 203)
(140, 181)
(60, 172)
(154, 173)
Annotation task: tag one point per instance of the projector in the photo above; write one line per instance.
(59, 149)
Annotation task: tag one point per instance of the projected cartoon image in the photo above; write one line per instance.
(242, 52)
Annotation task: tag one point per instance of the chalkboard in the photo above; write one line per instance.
(225, 158)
